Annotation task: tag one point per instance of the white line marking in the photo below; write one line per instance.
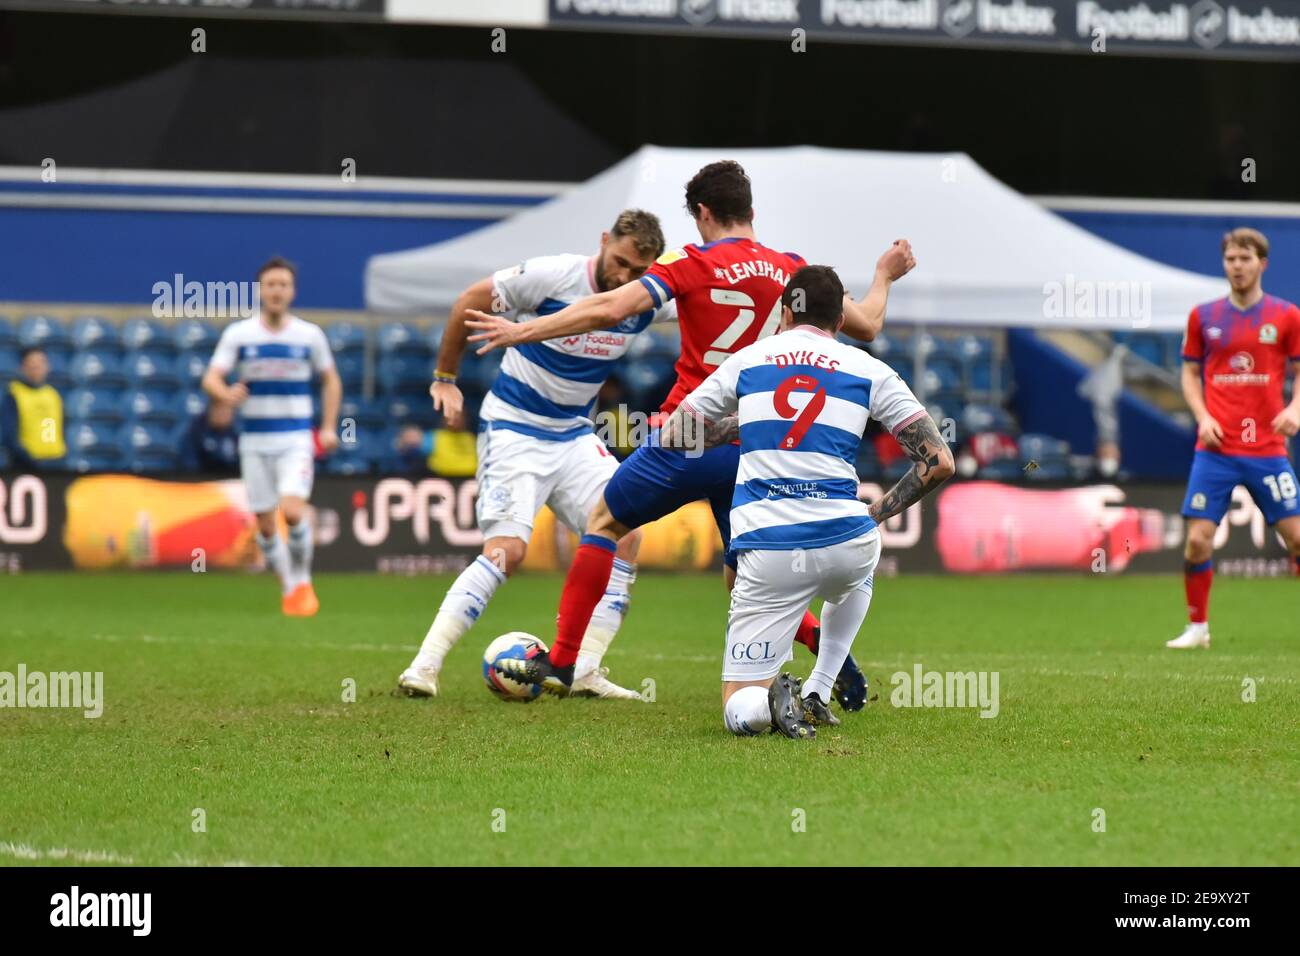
(23, 851)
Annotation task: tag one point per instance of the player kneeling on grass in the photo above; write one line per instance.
(536, 445)
(801, 401)
(1235, 358)
(275, 354)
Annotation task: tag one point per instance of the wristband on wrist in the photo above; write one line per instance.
(448, 378)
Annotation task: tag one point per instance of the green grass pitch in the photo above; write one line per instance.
(216, 703)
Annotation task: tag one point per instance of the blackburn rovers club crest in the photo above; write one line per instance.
(1198, 502)
(1268, 334)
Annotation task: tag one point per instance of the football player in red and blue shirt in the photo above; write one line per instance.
(1236, 356)
(728, 292)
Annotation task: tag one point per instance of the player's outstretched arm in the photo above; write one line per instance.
(444, 391)
(932, 465)
(864, 319)
(601, 311)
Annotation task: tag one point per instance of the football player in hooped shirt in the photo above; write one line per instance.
(728, 293)
(1236, 357)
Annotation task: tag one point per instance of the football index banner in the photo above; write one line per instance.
(1211, 28)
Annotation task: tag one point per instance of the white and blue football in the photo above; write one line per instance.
(520, 646)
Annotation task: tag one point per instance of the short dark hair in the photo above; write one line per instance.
(277, 262)
(816, 297)
(29, 350)
(723, 187)
(644, 229)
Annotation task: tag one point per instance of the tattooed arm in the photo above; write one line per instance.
(687, 430)
(932, 466)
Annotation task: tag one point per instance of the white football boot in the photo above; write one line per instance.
(1196, 635)
(596, 683)
(419, 681)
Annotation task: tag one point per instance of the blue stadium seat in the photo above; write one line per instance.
(95, 332)
(94, 367)
(150, 371)
(400, 337)
(356, 457)
(352, 371)
(346, 337)
(190, 367)
(98, 459)
(1003, 469)
(972, 348)
(98, 441)
(941, 374)
(413, 410)
(987, 418)
(364, 415)
(42, 330)
(946, 404)
(886, 347)
(908, 347)
(195, 335)
(101, 406)
(405, 373)
(8, 362)
(147, 335)
(155, 461)
(8, 338)
(480, 370)
(143, 436)
(151, 405)
(189, 403)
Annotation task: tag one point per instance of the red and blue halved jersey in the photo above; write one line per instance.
(728, 296)
(1245, 355)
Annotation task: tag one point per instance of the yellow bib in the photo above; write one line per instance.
(455, 454)
(40, 420)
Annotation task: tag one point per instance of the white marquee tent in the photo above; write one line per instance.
(986, 254)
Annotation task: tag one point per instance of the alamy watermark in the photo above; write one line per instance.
(922, 688)
(78, 690)
(181, 299)
(1077, 298)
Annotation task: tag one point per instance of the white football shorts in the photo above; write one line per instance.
(774, 589)
(269, 476)
(518, 473)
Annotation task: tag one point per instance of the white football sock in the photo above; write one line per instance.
(301, 546)
(607, 618)
(465, 601)
(277, 559)
(840, 625)
(746, 712)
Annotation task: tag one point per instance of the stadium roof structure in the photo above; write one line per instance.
(986, 254)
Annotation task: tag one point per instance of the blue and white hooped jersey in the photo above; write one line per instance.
(277, 367)
(547, 389)
(804, 400)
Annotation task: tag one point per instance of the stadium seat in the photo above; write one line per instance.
(190, 403)
(97, 441)
(346, 337)
(356, 457)
(405, 373)
(972, 348)
(987, 418)
(352, 371)
(100, 459)
(101, 406)
(363, 415)
(481, 370)
(8, 338)
(154, 461)
(945, 405)
(413, 410)
(147, 335)
(194, 335)
(93, 367)
(8, 362)
(44, 331)
(1004, 469)
(142, 436)
(190, 367)
(151, 405)
(94, 332)
(402, 337)
(150, 371)
(942, 374)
